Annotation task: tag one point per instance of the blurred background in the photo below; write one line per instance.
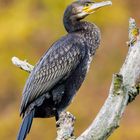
(27, 30)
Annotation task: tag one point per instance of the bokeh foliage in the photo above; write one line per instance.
(27, 30)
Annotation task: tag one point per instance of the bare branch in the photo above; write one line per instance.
(24, 65)
(124, 88)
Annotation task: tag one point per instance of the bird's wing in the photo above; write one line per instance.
(57, 63)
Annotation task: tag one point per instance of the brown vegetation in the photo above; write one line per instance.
(28, 28)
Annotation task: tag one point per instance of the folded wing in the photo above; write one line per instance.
(55, 66)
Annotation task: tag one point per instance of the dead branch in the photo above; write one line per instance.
(123, 90)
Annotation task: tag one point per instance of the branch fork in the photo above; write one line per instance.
(124, 88)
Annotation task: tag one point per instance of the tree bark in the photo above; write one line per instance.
(124, 88)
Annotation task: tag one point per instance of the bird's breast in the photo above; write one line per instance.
(91, 36)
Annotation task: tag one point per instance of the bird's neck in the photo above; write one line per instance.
(75, 26)
(88, 31)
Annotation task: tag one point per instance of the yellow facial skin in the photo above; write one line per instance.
(90, 8)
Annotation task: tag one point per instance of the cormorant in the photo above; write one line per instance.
(60, 72)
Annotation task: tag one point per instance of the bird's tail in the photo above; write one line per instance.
(26, 125)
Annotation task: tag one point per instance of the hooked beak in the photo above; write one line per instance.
(94, 6)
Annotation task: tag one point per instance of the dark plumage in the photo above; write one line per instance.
(58, 75)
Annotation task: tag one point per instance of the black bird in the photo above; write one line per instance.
(59, 74)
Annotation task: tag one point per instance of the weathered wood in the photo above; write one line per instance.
(65, 126)
(123, 90)
(24, 65)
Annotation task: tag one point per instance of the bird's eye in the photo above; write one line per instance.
(87, 4)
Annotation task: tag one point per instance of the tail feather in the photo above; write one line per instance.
(26, 125)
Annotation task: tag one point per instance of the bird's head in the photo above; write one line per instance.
(82, 8)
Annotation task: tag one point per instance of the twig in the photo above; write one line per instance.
(24, 65)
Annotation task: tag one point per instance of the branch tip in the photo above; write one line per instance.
(133, 32)
(24, 65)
